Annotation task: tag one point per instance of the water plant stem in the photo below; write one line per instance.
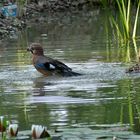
(136, 21)
(123, 23)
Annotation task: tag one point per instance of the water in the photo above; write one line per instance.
(103, 101)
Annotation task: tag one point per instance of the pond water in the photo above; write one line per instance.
(103, 100)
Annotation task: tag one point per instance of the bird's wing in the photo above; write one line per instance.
(47, 63)
(61, 66)
(45, 66)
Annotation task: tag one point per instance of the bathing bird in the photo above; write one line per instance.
(46, 65)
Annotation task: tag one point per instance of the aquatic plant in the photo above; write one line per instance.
(123, 25)
(39, 131)
(3, 124)
(8, 129)
(136, 21)
(13, 130)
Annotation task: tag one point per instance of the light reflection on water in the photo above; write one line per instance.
(95, 98)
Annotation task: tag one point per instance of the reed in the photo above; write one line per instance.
(136, 21)
(124, 12)
(124, 21)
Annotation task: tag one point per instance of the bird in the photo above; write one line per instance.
(46, 65)
(134, 69)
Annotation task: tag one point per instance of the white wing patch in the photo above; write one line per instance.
(52, 66)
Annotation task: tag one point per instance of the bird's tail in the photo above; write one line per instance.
(71, 73)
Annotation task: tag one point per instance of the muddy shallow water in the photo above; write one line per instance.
(103, 98)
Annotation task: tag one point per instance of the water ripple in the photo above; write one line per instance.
(65, 100)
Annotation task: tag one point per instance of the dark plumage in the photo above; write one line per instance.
(46, 65)
(135, 69)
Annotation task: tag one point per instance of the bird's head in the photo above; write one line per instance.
(35, 49)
